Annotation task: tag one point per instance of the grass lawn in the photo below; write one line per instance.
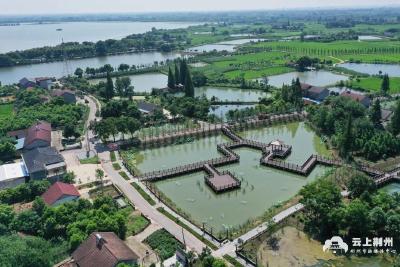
(116, 166)
(374, 84)
(143, 194)
(163, 243)
(254, 74)
(6, 110)
(106, 190)
(124, 175)
(93, 160)
(136, 224)
(113, 157)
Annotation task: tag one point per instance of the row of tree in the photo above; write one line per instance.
(181, 77)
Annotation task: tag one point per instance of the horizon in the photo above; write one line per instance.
(126, 7)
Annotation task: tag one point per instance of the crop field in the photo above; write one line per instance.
(374, 52)
(6, 110)
(253, 65)
(373, 84)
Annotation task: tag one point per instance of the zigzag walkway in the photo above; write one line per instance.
(220, 182)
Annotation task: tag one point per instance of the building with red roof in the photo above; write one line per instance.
(38, 135)
(363, 99)
(60, 193)
(103, 249)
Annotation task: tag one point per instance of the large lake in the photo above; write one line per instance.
(28, 36)
(373, 69)
(59, 69)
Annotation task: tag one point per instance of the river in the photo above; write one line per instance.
(27, 35)
(59, 69)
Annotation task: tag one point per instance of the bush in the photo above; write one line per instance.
(164, 243)
(116, 166)
(124, 175)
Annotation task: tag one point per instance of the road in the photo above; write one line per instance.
(140, 203)
(151, 212)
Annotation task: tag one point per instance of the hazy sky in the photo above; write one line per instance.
(109, 6)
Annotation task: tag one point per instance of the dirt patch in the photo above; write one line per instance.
(146, 255)
(294, 249)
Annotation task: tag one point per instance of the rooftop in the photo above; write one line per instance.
(40, 130)
(57, 190)
(38, 158)
(147, 107)
(102, 249)
(12, 171)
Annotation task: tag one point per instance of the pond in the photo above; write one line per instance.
(262, 187)
(316, 78)
(58, 69)
(373, 69)
(46, 34)
(222, 46)
(143, 83)
(391, 188)
(222, 110)
(231, 94)
(369, 38)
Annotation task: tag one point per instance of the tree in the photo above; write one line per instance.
(79, 72)
(7, 150)
(323, 208)
(100, 175)
(360, 183)
(132, 125)
(357, 218)
(385, 87)
(346, 138)
(183, 70)
(100, 48)
(376, 112)
(68, 178)
(177, 74)
(395, 121)
(189, 87)
(109, 90)
(171, 79)
(304, 62)
(122, 85)
(69, 130)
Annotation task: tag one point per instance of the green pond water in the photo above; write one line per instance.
(391, 188)
(262, 187)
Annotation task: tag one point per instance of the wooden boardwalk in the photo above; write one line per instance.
(272, 156)
(220, 181)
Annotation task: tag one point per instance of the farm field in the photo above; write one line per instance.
(368, 52)
(6, 110)
(373, 84)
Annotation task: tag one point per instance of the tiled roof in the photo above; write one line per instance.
(147, 107)
(107, 253)
(59, 92)
(38, 158)
(354, 96)
(57, 190)
(39, 131)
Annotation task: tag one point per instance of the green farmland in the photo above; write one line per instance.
(6, 110)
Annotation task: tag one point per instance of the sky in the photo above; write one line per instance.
(12, 7)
